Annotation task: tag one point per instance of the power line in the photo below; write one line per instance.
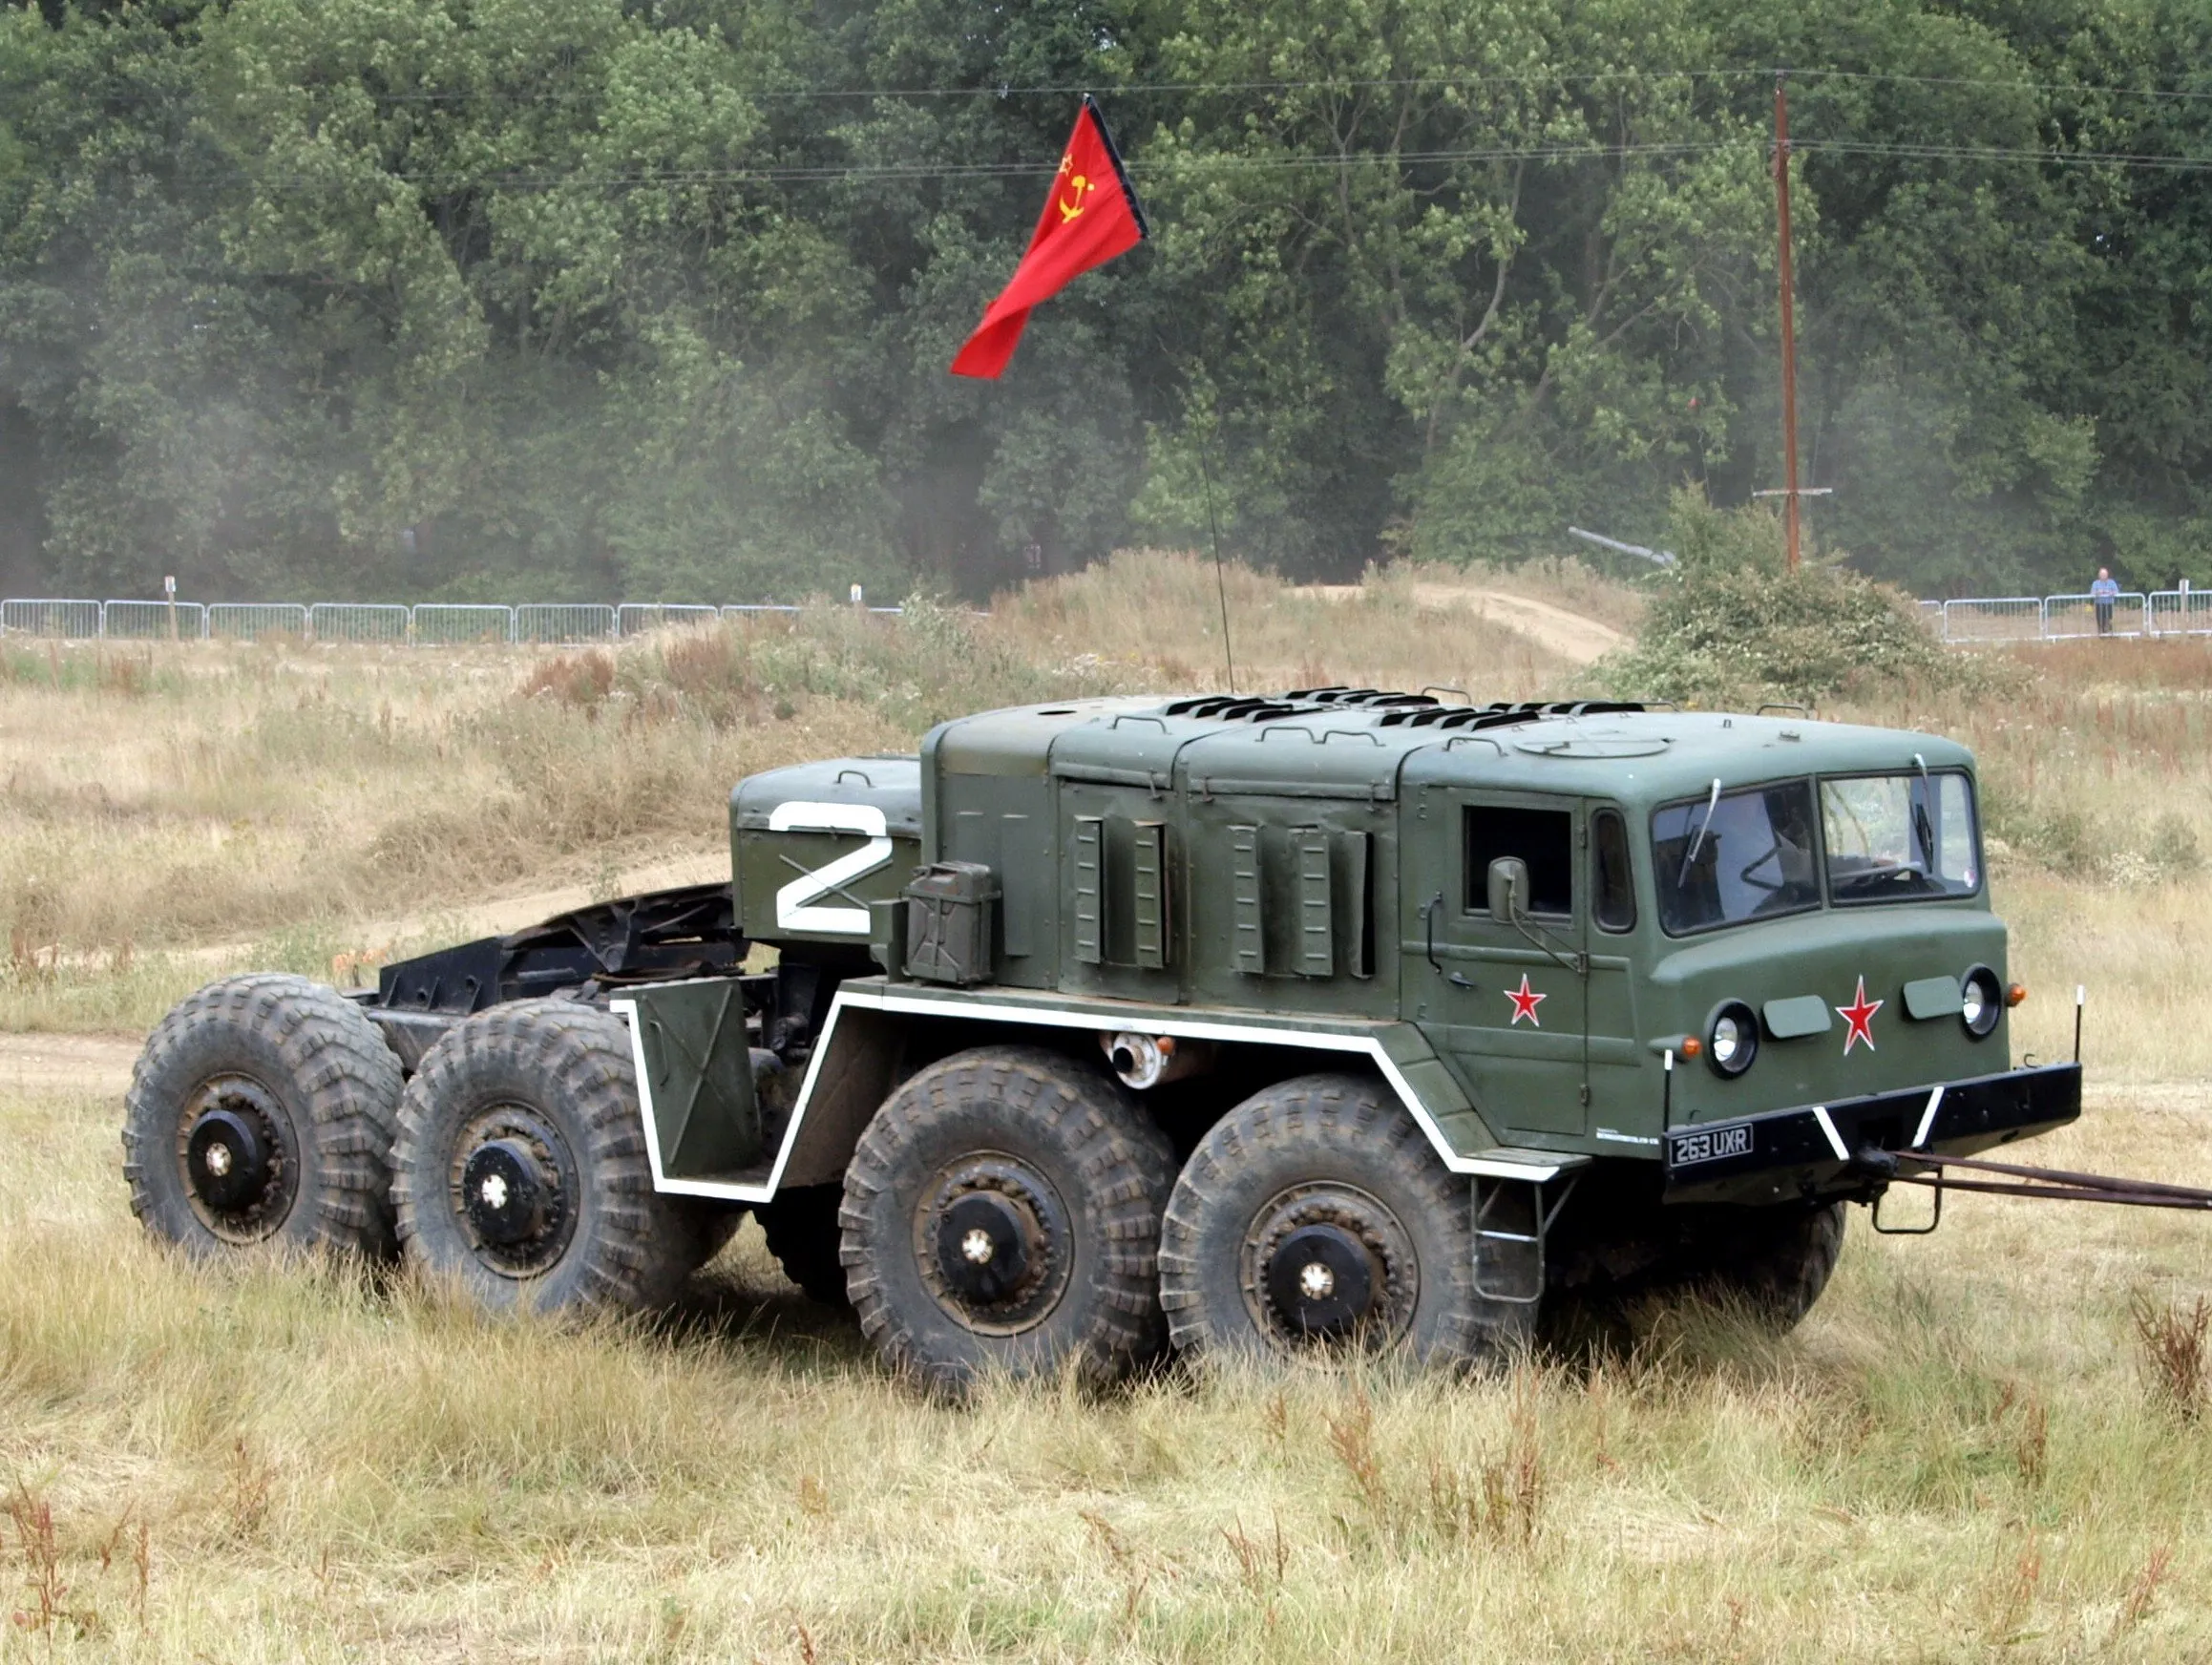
(1217, 163)
(784, 94)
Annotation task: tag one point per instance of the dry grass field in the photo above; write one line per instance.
(1968, 1451)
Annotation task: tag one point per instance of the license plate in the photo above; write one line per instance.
(1709, 1145)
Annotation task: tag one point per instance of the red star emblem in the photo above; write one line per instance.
(1860, 1015)
(1525, 1001)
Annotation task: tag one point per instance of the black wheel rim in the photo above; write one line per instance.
(512, 1186)
(238, 1157)
(994, 1243)
(1327, 1266)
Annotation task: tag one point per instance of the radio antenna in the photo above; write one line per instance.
(1221, 581)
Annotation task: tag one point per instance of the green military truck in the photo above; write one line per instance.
(1340, 1019)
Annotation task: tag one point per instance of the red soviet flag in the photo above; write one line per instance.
(1091, 216)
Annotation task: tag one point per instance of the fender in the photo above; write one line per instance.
(851, 1071)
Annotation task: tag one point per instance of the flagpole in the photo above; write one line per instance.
(1220, 580)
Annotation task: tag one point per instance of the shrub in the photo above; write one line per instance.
(1731, 626)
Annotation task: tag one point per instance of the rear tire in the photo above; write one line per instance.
(262, 1113)
(521, 1173)
(1315, 1221)
(1003, 1214)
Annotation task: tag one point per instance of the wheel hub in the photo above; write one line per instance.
(994, 1243)
(1322, 1279)
(227, 1159)
(235, 1155)
(984, 1242)
(505, 1192)
(511, 1183)
(1326, 1263)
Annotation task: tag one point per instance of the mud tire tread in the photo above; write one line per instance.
(1314, 1127)
(1776, 1268)
(339, 1082)
(632, 1246)
(1118, 1171)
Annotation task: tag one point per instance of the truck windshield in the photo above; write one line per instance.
(1746, 855)
(1900, 837)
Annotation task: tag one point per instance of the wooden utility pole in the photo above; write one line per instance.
(1789, 329)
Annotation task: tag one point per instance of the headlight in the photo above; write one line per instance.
(1981, 1002)
(1732, 1038)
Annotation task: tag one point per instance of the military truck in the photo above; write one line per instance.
(1340, 1019)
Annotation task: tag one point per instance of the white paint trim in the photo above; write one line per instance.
(1537, 1167)
(1928, 1118)
(627, 1011)
(720, 1189)
(1827, 1126)
(1209, 1029)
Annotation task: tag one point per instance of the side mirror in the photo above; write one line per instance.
(1508, 888)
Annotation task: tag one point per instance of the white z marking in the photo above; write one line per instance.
(795, 909)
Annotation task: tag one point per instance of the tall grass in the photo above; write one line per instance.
(1965, 1450)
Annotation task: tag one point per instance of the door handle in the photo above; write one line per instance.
(1428, 929)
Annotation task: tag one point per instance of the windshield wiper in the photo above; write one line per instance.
(1922, 831)
(1690, 856)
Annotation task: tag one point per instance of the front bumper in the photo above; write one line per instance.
(1809, 1151)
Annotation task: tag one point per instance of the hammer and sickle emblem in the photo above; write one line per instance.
(1080, 185)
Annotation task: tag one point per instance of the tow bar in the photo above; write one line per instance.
(2015, 1179)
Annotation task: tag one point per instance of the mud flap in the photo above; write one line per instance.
(697, 1098)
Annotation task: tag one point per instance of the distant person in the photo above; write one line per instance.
(2102, 594)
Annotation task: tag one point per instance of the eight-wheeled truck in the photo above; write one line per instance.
(1338, 1019)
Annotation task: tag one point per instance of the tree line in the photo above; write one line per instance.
(486, 298)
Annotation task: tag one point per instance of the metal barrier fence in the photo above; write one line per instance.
(1963, 619)
(65, 620)
(1994, 619)
(358, 621)
(564, 624)
(425, 625)
(2181, 612)
(251, 621)
(2132, 613)
(2123, 615)
(637, 617)
(153, 621)
(452, 623)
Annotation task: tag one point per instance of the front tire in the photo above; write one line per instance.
(262, 1114)
(1774, 1262)
(1314, 1220)
(1003, 1214)
(521, 1172)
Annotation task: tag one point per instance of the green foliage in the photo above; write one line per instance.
(1731, 626)
(464, 301)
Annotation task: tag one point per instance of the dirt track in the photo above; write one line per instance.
(1569, 635)
(101, 1064)
(67, 1064)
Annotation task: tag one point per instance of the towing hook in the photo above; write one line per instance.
(1875, 1164)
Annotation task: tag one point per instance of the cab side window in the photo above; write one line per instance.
(1613, 886)
(1543, 838)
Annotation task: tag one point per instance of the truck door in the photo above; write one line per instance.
(1505, 1003)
